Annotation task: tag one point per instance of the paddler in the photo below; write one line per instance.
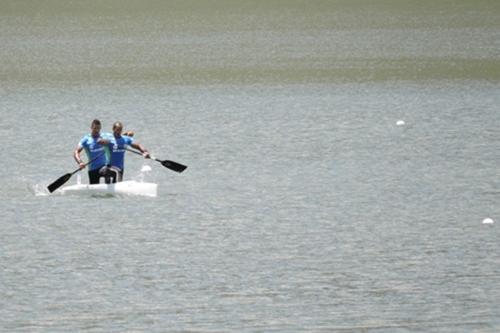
(117, 144)
(93, 145)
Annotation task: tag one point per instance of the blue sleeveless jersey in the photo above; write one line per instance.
(93, 150)
(118, 146)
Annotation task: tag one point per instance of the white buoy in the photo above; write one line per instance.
(400, 122)
(488, 221)
(146, 168)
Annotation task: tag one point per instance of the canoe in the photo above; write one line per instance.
(129, 187)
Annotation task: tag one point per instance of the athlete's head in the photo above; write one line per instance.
(95, 127)
(117, 128)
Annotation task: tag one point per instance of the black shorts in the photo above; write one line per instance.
(111, 174)
(95, 175)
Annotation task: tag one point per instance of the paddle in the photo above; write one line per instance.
(63, 179)
(177, 167)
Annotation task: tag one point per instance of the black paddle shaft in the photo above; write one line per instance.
(177, 167)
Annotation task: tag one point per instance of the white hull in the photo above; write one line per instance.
(129, 187)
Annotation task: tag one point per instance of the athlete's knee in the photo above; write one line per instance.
(117, 174)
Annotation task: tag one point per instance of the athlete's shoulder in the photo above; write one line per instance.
(128, 140)
(85, 140)
(107, 135)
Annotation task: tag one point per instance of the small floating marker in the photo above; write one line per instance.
(488, 221)
(400, 122)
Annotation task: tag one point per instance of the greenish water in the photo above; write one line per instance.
(199, 42)
(305, 207)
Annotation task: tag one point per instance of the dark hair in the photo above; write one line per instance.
(96, 122)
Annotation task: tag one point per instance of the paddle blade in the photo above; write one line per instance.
(59, 182)
(173, 165)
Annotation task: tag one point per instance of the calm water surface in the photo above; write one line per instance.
(305, 207)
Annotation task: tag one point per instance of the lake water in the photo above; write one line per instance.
(305, 206)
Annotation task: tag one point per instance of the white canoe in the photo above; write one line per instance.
(129, 187)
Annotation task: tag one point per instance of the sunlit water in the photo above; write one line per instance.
(341, 162)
